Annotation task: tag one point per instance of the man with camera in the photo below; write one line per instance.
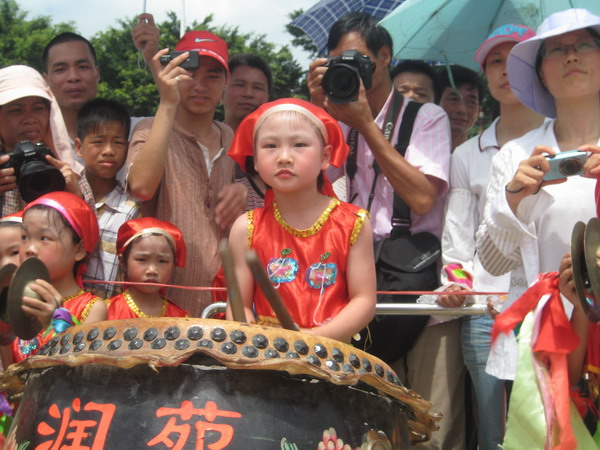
(376, 170)
(178, 161)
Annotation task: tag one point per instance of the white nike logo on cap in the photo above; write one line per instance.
(204, 40)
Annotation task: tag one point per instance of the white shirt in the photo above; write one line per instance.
(428, 151)
(469, 177)
(535, 240)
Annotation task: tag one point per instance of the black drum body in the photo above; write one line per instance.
(250, 388)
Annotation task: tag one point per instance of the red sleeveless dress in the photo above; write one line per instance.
(307, 267)
(79, 306)
(122, 306)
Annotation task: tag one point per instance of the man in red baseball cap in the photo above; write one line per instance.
(178, 160)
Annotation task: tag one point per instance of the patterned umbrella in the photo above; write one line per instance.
(317, 21)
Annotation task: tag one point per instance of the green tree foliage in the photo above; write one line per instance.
(23, 40)
(123, 73)
(301, 39)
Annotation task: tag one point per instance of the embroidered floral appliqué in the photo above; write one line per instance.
(283, 269)
(321, 274)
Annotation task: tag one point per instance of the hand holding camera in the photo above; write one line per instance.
(565, 164)
(34, 175)
(341, 81)
(168, 76)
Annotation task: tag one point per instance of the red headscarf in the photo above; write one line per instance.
(132, 229)
(16, 218)
(243, 141)
(80, 216)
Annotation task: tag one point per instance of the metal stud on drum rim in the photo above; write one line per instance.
(24, 326)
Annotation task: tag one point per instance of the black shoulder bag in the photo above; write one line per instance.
(404, 262)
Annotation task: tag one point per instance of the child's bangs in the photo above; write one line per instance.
(55, 220)
(293, 120)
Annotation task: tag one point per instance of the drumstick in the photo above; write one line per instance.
(265, 285)
(233, 289)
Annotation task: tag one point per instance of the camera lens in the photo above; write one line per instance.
(341, 83)
(569, 167)
(38, 178)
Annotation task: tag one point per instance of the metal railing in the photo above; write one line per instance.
(414, 309)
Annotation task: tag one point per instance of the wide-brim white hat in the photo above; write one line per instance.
(524, 80)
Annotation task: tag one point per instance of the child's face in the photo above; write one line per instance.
(150, 260)
(103, 151)
(44, 237)
(290, 153)
(10, 241)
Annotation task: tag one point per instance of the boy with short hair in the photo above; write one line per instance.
(102, 132)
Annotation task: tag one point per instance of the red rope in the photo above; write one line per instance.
(221, 289)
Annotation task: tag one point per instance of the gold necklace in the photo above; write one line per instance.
(308, 231)
(138, 312)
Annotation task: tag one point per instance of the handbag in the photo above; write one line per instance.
(404, 262)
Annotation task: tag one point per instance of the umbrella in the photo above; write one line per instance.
(317, 21)
(452, 30)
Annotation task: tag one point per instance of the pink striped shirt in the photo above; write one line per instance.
(428, 151)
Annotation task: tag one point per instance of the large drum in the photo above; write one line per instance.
(208, 384)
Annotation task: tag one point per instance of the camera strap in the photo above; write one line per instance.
(391, 118)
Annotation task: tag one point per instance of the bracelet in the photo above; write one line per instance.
(516, 191)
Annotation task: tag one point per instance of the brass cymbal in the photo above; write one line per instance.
(591, 245)
(23, 325)
(6, 273)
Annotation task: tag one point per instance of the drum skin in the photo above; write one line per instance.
(195, 384)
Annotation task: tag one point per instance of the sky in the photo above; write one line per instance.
(267, 17)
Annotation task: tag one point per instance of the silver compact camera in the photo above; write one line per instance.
(565, 164)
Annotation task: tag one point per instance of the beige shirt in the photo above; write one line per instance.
(187, 196)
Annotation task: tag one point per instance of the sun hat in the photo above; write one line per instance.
(135, 228)
(22, 81)
(522, 74)
(206, 44)
(19, 81)
(504, 33)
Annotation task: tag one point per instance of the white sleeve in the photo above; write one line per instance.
(501, 232)
(461, 218)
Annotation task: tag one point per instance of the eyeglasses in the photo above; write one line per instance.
(557, 51)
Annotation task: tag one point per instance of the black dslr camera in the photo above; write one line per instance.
(341, 82)
(35, 176)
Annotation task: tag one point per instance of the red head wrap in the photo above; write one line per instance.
(132, 229)
(15, 218)
(75, 211)
(80, 216)
(243, 141)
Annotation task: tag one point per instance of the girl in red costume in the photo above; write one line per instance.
(61, 230)
(317, 250)
(149, 250)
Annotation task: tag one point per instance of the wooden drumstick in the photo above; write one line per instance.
(233, 289)
(265, 285)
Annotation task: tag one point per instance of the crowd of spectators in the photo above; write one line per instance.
(484, 198)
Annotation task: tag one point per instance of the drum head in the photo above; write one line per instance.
(24, 326)
(591, 245)
(6, 273)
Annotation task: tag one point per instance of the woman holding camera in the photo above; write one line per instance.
(29, 112)
(528, 218)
